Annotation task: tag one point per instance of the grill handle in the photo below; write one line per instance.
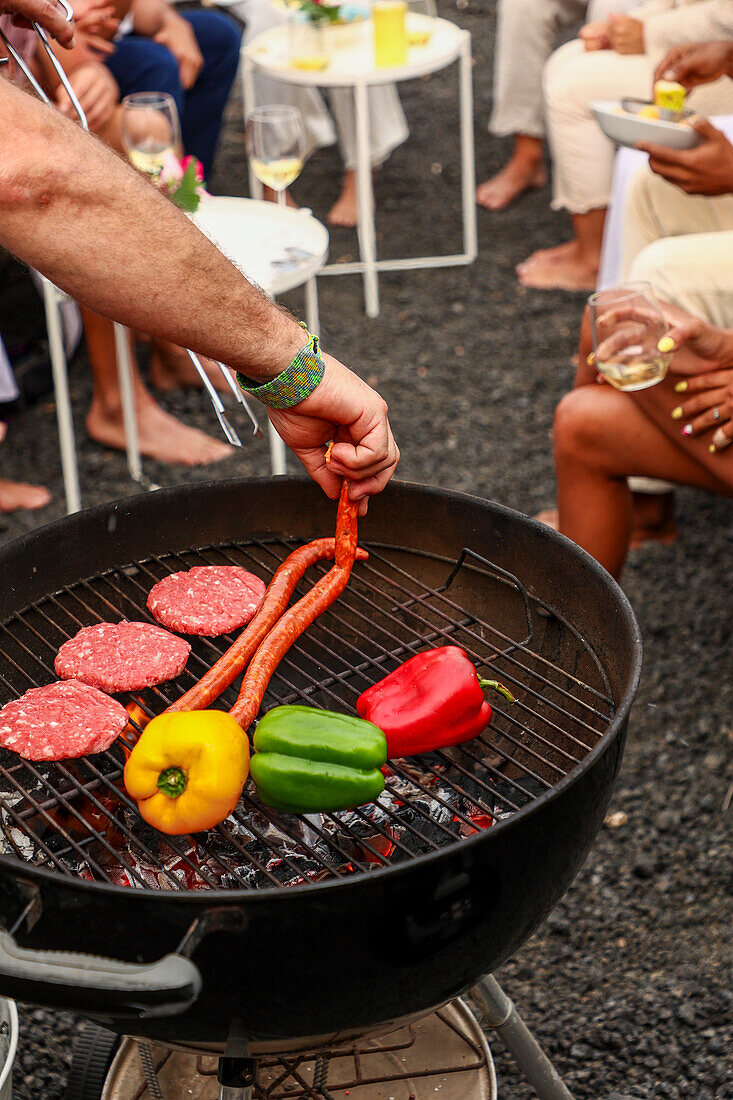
(97, 986)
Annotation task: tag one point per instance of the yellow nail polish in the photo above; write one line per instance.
(677, 413)
(681, 387)
(712, 448)
(666, 344)
(590, 359)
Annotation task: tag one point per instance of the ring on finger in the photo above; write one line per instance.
(716, 414)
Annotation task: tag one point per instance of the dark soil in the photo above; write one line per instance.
(628, 982)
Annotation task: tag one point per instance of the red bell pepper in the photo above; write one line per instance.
(432, 701)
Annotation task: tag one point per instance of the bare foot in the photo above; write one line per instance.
(513, 180)
(560, 253)
(573, 273)
(172, 369)
(345, 211)
(18, 495)
(161, 436)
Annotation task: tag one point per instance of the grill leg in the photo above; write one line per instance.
(236, 1077)
(502, 1016)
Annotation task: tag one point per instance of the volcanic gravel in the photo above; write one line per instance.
(627, 984)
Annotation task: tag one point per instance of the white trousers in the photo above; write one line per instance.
(526, 33)
(387, 122)
(682, 245)
(582, 155)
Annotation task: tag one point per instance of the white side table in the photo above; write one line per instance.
(352, 65)
(252, 234)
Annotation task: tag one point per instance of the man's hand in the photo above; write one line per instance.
(626, 34)
(96, 90)
(595, 36)
(696, 63)
(347, 410)
(50, 15)
(177, 35)
(705, 170)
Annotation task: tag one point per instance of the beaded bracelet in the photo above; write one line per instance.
(292, 385)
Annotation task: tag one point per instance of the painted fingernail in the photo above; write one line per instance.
(666, 344)
(590, 359)
(677, 413)
(721, 440)
(687, 430)
(712, 448)
(681, 387)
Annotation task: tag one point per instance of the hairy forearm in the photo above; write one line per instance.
(75, 211)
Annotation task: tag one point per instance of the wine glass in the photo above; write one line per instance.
(275, 139)
(150, 129)
(627, 324)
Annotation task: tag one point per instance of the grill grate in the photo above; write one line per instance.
(74, 816)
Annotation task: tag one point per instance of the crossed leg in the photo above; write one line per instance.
(602, 437)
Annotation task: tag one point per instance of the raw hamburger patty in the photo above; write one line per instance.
(122, 656)
(208, 599)
(61, 720)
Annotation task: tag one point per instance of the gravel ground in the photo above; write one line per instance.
(628, 982)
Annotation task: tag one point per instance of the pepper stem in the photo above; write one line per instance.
(172, 782)
(496, 686)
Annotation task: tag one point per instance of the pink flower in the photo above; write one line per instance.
(171, 171)
(199, 167)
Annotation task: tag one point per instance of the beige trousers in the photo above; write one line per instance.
(682, 245)
(526, 33)
(582, 155)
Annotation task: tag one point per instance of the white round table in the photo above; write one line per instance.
(352, 65)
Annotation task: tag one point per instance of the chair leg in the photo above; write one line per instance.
(127, 397)
(67, 443)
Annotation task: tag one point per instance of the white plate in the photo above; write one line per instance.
(628, 129)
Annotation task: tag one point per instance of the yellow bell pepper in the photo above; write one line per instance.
(187, 771)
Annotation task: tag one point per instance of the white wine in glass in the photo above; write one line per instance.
(627, 324)
(275, 139)
(150, 130)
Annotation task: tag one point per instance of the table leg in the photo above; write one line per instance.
(256, 189)
(311, 306)
(127, 399)
(367, 235)
(67, 444)
(468, 160)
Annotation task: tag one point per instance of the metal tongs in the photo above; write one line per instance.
(214, 397)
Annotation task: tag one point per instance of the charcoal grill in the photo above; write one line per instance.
(276, 932)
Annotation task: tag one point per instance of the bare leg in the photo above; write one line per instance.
(345, 210)
(162, 437)
(572, 266)
(601, 438)
(271, 196)
(524, 171)
(172, 369)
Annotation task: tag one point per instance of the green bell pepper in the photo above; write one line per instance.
(309, 760)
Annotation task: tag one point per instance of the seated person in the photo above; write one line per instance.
(680, 430)
(526, 33)
(194, 57)
(582, 155)
(387, 122)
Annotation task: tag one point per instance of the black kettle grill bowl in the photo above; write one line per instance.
(284, 967)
